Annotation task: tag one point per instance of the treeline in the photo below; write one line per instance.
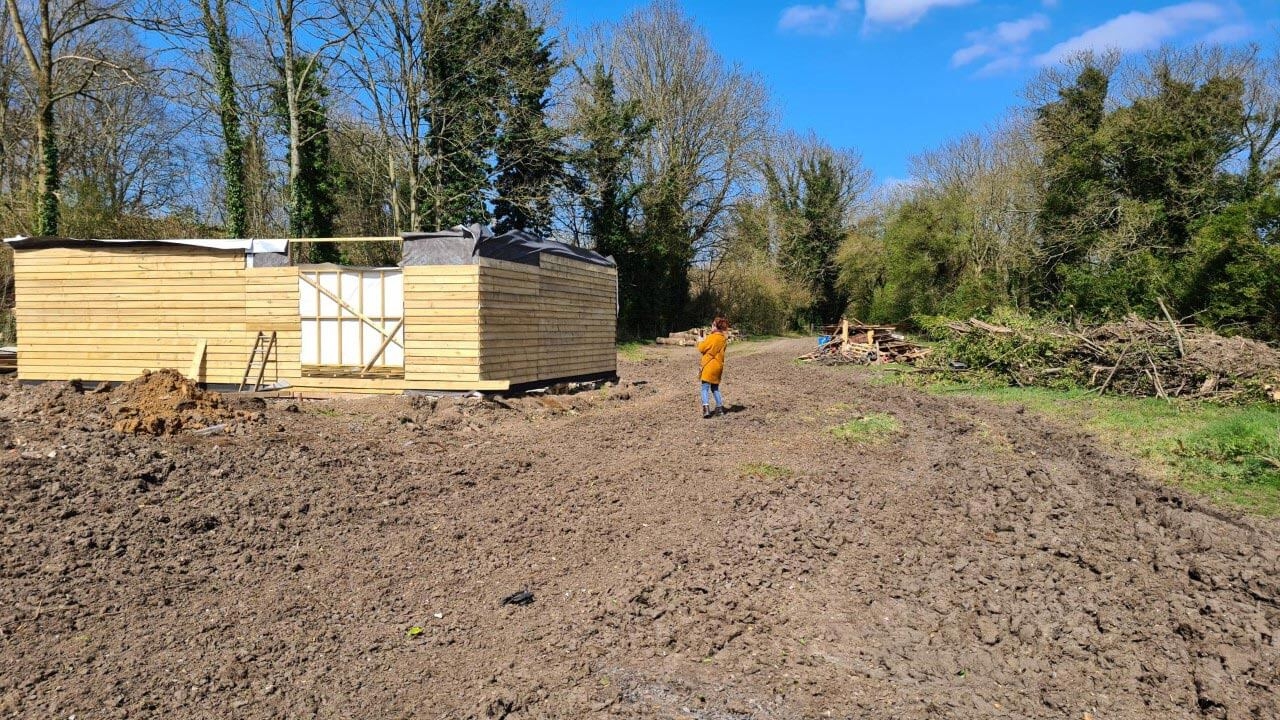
(1120, 186)
(1116, 187)
(303, 118)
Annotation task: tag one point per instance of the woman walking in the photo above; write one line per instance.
(712, 349)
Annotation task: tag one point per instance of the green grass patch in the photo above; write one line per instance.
(1229, 453)
(633, 350)
(764, 470)
(869, 428)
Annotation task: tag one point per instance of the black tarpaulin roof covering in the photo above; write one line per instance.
(460, 245)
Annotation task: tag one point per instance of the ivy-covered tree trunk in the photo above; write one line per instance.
(40, 64)
(218, 36)
(303, 114)
(47, 212)
(813, 189)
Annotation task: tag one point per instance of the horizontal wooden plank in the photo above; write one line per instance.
(540, 358)
(582, 341)
(441, 269)
(74, 262)
(211, 305)
(59, 275)
(425, 282)
(415, 361)
(160, 325)
(162, 295)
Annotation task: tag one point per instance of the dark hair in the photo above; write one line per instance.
(721, 323)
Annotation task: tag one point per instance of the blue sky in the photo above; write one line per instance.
(894, 77)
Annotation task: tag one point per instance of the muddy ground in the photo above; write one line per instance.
(981, 563)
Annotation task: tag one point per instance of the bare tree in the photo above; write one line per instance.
(995, 177)
(15, 140)
(63, 44)
(709, 117)
(386, 56)
(301, 37)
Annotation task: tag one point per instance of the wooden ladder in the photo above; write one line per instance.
(263, 346)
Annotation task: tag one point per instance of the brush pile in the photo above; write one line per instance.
(858, 344)
(1135, 356)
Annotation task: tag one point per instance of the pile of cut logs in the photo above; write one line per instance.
(853, 343)
(693, 336)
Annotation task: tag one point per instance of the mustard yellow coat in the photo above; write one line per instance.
(712, 349)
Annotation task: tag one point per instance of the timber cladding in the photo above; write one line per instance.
(555, 320)
(109, 313)
(102, 312)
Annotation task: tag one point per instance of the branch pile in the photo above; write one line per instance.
(857, 344)
(1135, 356)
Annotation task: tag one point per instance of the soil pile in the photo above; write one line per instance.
(164, 402)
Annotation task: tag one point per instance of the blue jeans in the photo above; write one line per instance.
(711, 389)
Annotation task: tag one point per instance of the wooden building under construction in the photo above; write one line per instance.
(463, 310)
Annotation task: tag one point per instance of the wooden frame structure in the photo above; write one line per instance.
(107, 311)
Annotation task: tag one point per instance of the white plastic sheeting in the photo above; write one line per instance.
(351, 332)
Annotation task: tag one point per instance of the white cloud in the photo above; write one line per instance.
(1017, 31)
(1137, 30)
(905, 13)
(1005, 64)
(969, 53)
(1003, 46)
(1228, 34)
(816, 19)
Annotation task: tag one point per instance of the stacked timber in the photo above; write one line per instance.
(858, 344)
(693, 336)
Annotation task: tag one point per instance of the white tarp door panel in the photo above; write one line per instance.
(351, 317)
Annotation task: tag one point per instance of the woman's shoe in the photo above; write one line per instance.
(706, 411)
(719, 411)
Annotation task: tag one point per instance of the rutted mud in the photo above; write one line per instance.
(983, 563)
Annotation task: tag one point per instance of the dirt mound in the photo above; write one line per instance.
(165, 403)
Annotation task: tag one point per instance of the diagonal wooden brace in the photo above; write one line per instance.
(389, 335)
(383, 347)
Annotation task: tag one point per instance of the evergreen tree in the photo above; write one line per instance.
(311, 207)
(1127, 188)
(659, 256)
(1077, 205)
(529, 161)
(813, 193)
(463, 78)
(611, 131)
(1168, 150)
(1232, 274)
